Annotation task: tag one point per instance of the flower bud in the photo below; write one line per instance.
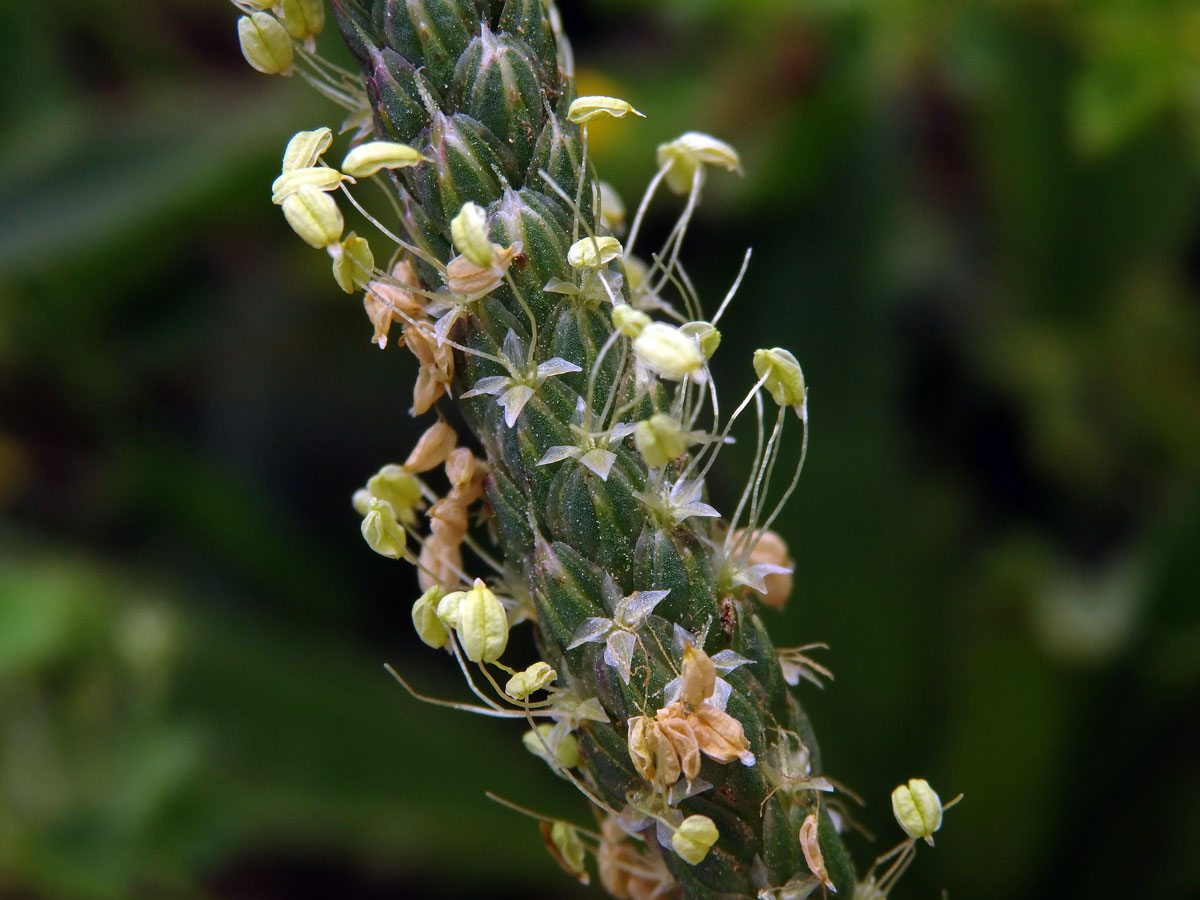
(305, 148)
(532, 679)
(265, 43)
(669, 352)
(382, 532)
(367, 159)
(918, 809)
(683, 156)
(303, 18)
(629, 321)
(430, 628)
(322, 178)
(314, 216)
(693, 838)
(706, 336)
(482, 624)
(470, 234)
(593, 252)
(784, 380)
(659, 439)
(353, 263)
(585, 109)
(567, 753)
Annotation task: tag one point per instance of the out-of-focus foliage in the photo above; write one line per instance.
(976, 225)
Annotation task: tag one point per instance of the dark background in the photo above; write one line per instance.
(976, 225)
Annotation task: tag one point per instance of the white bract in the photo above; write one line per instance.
(619, 633)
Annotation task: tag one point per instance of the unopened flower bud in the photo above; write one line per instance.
(918, 809)
(367, 159)
(629, 321)
(659, 439)
(353, 263)
(430, 628)
(669, 352)
(265, 43)
(536, 677)
(305, 148)
(693, 838)
(585, 109)
(470, 234)
(706, 336)
(382, 531)
(314, 216)
(303, 18)
(683, 156)
(566, 754)
(784, 380)
(593, 252)
(482, 624)
(322, 178)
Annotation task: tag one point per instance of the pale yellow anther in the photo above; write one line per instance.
(305, 148)
(811, 846)
(669, 352)
(612, 209)
(448, 607)
(569, 848)
(536, 677)
(918, 809)
(367, 159)
(683, 156)
(585, 109)
(399, 488)
(266, 44)
(659, 439)
(430, 629)
(593, 252)
(303, 18)
(433, 448)
(469, 232)
(382, 531)
(706, 335)
(694, 837)
(566, 754)
(314, 216)
(784, 379)
(353, 263)
(322, 178)
(482, 624)
(629, 321)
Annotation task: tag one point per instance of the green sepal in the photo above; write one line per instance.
(677, 561)
(431, 34)
(527, 20)
(467, 166)
(557, 153)
(395, 96)
(357, 23)
(508, 516)
(496, 83)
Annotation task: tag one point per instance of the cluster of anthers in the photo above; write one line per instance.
(470, 617)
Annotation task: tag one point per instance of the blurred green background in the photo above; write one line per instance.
(975, 222)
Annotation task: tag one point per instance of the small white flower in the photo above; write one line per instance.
(679, 502)
(620, 632)
(591, 450)
(513, 392)
(724, 662)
